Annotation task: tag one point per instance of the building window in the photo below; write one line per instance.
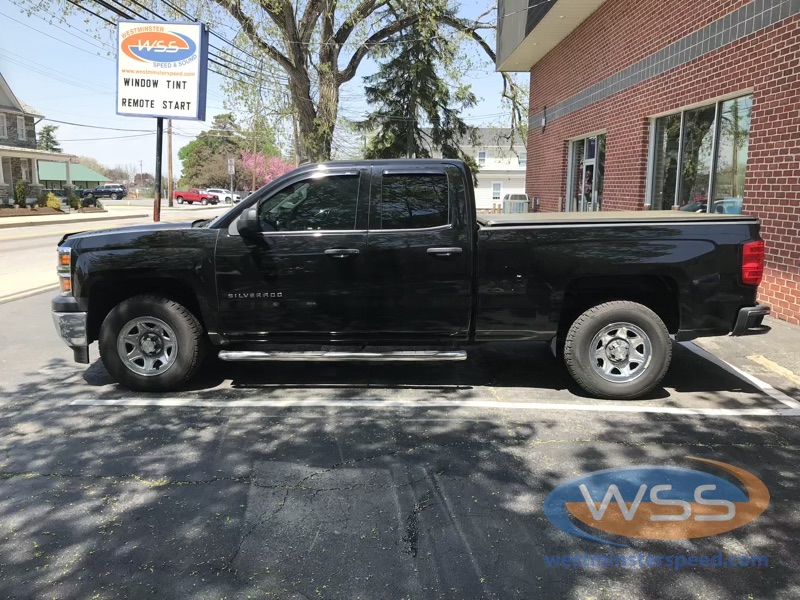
(22, 133)
(700, 154)
(497, 190)
(587, 160)
(3, 126)
(523, 158)
(482, 158)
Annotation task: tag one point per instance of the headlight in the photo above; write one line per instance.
(65, 270)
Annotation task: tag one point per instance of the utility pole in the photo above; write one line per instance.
(157, 178)
(169, 161)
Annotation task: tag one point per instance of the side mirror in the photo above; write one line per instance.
(248, 223)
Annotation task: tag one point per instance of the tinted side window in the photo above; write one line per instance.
(328, 203)
(414, 201)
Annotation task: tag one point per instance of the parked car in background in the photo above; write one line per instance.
(193, 195)
(224, 195)
(727, 206)
(114, 191)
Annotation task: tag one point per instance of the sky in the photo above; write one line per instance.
(68, 75)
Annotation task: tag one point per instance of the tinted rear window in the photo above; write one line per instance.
(414, 201)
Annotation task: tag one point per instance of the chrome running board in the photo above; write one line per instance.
(318, 356)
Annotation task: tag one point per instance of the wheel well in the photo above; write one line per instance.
(105, 295)
(658, 293)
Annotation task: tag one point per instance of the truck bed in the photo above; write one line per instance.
(603, 217)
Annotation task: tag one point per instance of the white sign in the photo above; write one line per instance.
(231, 166)
(162, 69)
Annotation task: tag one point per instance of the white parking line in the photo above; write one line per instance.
(754, 381)
(527, 406)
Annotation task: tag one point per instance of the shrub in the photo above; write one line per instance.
(52, 201)
(74, 202)
(19, 193)
(41, 201)
(99, 204)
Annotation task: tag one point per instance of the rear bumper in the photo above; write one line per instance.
(71, 326)
(751, 320)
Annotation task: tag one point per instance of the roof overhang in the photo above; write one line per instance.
(527, 34)
(16, 152)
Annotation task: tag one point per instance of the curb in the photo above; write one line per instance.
(86, 220)
(28, 293)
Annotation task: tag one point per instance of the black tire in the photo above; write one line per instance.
(180, 199)
(579, 351)
(114, 197)
(188, 336)
(204, 201)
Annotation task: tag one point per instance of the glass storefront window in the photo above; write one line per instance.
(585, 185)
(665, 167)
(691, 165)
(734, 136)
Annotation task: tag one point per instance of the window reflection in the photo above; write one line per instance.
(734, 137)
(329, 204)
(665, 168)
(414, 201)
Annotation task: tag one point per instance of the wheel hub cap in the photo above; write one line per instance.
(621, 352)
(618, 350)
(147, 346)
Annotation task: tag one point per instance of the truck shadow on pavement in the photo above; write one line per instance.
(519, 370)
(131, 502)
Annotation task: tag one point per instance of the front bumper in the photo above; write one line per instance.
(71, 326)
(751, 320)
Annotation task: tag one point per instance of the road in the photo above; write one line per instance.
(341, 481)
(28, 253)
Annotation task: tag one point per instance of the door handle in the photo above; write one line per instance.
(444, 252)
(341, 252)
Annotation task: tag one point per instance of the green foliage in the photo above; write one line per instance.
(46, 139)
(20, 191)
(412, 88)
(41, 200)
(205, 159)
(52, 201)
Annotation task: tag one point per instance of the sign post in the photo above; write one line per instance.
(231, 171)
(162, 72)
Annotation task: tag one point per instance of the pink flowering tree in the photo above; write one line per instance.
(266, 168)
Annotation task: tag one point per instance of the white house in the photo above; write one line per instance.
(501, 165)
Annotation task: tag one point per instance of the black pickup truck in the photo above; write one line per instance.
(387, 260)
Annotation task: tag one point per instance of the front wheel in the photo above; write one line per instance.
(619, 350)
(204, 202)
(114, 197)
(151, 343)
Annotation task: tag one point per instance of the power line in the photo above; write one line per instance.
(95, 126)
(116, 137)
(48, 35)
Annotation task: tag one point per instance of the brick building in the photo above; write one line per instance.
(686, 105)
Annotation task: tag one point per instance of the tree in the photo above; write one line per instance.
(309, 49)
(266, 168)
(411, 87)
(46, 139)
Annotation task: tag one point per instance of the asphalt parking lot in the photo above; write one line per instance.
(347, 481)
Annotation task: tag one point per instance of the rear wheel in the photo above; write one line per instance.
(151, 343)
(618, 350)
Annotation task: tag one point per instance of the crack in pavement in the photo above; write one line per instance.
(411, 538)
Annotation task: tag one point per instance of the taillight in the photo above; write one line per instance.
(753, 262)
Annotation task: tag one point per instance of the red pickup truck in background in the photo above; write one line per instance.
(193, 195)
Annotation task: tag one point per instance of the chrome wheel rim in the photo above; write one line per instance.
(147, 346)
(621, 352)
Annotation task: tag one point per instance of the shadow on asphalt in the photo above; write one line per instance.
(498, 365)
(203, 503)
